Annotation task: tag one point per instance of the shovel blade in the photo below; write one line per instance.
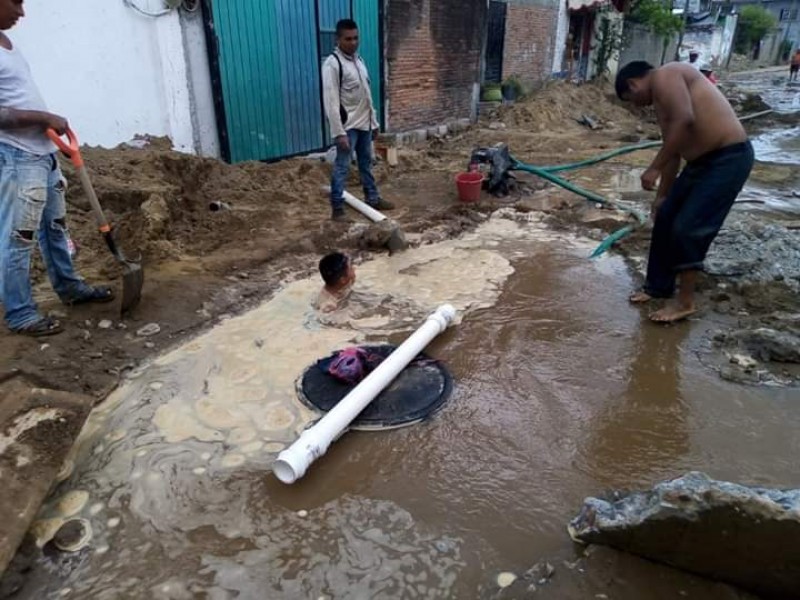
(132, 282)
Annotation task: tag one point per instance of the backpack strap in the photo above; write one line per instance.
(342, 111)
(338, 60)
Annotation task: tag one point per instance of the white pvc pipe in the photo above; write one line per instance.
(362, 207)
(293, 462)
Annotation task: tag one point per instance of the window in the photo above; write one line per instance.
(788, 14)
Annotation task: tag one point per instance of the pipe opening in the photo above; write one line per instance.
(284, 471)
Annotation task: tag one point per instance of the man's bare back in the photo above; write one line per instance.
(680, 91)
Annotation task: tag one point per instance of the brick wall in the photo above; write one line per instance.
(433, 58)
(530, 42)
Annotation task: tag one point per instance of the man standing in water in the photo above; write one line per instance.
(351, 115)
(699, 126)
(32, 207)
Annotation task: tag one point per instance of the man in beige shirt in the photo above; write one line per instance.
(351, 116)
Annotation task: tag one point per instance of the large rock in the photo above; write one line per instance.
(728, 532)
(770, 344)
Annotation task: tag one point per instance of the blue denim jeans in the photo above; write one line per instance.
(32, 209)
(693, 213)
(361, 142)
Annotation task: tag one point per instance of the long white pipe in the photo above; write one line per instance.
(362, 207)
(293, 462)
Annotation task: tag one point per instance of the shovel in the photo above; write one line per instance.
(132, 274)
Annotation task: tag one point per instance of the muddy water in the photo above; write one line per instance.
(563, 391)
(773, 88)
(780, 147)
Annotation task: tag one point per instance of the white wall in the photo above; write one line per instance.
(115, 73)
(714, 46)
(562, 29)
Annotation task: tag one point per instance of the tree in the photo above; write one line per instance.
(610, 41)
(754, 23)
(659, 18)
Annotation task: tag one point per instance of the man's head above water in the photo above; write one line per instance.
(633, 83)
(337, 271)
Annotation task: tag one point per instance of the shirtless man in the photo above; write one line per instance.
(699, 126)
(339, 275)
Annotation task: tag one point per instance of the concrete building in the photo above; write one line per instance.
(240, 79)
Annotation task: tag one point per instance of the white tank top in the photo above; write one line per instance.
(18, 90)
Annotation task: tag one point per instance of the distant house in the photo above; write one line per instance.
(710, 33)
(786, 12)
(593, 25)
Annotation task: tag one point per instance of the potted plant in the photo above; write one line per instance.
(512, 89)
(491, 92)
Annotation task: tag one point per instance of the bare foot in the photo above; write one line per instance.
(639, 298)
(673, 312)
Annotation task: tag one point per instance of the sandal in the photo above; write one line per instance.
(42, 327)
(98, 295)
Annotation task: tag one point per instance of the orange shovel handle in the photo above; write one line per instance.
(71, 149)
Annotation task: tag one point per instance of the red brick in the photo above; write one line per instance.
(433, 60)
(529, 42)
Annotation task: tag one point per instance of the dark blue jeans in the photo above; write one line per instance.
(361, 142)
(693, 213)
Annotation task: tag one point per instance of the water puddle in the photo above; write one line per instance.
(774, 89)
(780, 147)
(562, 391)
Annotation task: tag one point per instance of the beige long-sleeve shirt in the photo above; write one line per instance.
(355, 94)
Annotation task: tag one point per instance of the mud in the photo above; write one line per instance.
(38, 429)
(204, 266)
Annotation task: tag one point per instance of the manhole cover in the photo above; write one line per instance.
(415, 394)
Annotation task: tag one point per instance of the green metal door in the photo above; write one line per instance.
(267, 57)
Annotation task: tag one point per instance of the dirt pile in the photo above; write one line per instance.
(561, 104)
(160, 202)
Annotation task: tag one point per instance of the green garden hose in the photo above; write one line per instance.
(546, 173)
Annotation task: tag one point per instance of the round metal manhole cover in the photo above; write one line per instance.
(417, 392)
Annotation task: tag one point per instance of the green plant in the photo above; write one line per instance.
(490, 92)
(754, 23)
(513, 83)
(609, 43)
(659, 18)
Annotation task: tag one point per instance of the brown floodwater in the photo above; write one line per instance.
(563, 391)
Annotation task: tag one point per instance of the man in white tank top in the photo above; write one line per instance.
(32, 205)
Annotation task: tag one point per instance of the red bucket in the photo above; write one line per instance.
(469, 186)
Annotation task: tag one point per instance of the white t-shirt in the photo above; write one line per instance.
(18, 90)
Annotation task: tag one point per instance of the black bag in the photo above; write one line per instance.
(342, 112)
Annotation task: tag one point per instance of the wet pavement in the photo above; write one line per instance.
(772, 85)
